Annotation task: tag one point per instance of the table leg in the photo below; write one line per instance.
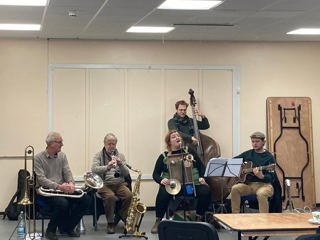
(239, 235)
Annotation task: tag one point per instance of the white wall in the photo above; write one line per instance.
(266, 69)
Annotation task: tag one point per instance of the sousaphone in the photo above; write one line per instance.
(93, 180)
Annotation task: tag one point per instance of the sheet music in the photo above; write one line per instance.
(223, 167)
(215, 167)
(233, 167)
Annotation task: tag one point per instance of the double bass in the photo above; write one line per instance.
(207, 149)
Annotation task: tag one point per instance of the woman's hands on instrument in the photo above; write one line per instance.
(165, 181)
(202, 181)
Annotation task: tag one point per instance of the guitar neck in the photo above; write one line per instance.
(261, 168)
(247, 169)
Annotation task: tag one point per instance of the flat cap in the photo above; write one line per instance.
(258, 135)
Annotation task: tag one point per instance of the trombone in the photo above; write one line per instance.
(25, 201)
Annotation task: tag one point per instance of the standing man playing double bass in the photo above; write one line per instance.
(184, 125)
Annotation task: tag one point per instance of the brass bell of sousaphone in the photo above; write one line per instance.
(93, 180)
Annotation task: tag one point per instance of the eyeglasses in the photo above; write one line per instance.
(59, 142)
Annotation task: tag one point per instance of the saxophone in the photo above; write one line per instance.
(136, 208)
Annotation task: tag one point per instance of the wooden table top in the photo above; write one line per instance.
(250, 222)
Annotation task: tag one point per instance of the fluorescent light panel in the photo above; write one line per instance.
(144, 29)
(20, 27)
(305, 31)
(24, 2)
(189, 4)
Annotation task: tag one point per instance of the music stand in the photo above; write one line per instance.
(223, 167)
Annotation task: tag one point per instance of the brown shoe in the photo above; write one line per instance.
(110, 228)
(154, 228)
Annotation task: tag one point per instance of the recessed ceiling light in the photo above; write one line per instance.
(305, 31)
(189, 4)
(72, 13)
(144, 29)
(24, 2)
(20, 27)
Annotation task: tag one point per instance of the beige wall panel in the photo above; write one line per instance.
(68, 115)
(177, 85)
(23, 121)
(126, 93)
(107, 103)
(213, 92)
(145, 125)
(148, 192)
(216, 104)
(23, 75)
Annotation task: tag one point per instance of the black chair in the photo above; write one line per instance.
(309, 237)
(98, 208)
(250, 201)
(43, 211)
(172, 230)
(275, 202)
(183, 203)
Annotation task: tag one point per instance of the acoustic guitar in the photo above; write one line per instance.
(247, 168)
